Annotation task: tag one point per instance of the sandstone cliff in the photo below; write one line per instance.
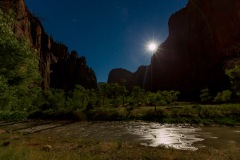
(203, 37)
(138, 78)
(194, 54)
(58, 68)
(118, 75)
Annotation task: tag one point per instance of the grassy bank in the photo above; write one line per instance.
(34, 148)
(224, 114)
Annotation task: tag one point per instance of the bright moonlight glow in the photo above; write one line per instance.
(152, 47)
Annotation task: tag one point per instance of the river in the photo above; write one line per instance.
(181, 136)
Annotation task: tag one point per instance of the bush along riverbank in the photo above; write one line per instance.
(225, 114)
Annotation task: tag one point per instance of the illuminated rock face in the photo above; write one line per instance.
(57, 67)
(194, 54)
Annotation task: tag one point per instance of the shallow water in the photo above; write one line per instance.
(183, 137)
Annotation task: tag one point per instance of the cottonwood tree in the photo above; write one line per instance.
(234, 76)
(138, 95)
(170, 96)
(223, 96)
(205, 95)
(78, 98)
(19, 76)
(103, 92)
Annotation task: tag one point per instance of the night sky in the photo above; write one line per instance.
(109, 33)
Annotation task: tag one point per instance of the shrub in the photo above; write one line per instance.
(223, 96)
(13, 115)
(234, 76)
(205, 95)
(170, 97)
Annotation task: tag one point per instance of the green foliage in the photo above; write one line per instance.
(205, 95)
(103, 90)
(93, 98)
(123, 93)
(78, 98)
(154, 99)
(138, 95)
(114, 94)
(13, 115)
(103, 100)
(234, 76)
(151, 99)
(4, 93)
(223, 96)
(19, 74)
(226, 95)
(54, 99)
(19, 61)
(170, 96)
(106, 113)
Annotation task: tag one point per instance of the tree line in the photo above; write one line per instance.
(107, 95)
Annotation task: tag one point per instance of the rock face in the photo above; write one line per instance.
(194, 54)
(58, 68)
(118, 75)
(72, 71)
(204, 38)
(139, 78)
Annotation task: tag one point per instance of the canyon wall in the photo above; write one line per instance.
(199, 43)
(138, 78)
(204, 39)
(58, 68)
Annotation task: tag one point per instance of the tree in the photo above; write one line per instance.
(114, 94)
(138, 95)
(19, 74)
(78, 98)
(4, 93)
(154, 99)
(226, 95)
(205, 95)
(234, 76)
(170, 96)
(123, 92)
(54, 99)
(223, 96)
(93, 97)
(103, 91)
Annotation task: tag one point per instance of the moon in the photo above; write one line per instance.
(152, 47)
